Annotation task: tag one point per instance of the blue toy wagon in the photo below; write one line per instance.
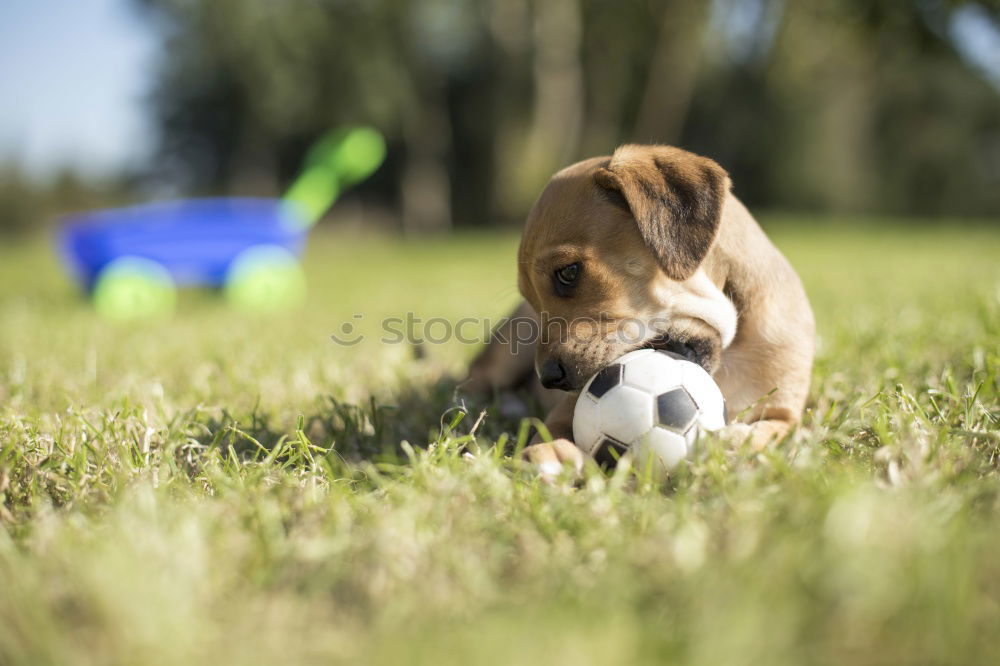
(131, 260)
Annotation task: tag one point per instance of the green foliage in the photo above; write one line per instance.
(228, 488)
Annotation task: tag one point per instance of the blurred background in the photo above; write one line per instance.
(882, 107)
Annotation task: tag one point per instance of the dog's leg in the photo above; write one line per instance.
(506, 366)
(508, 359)
(551, 458)
(760, 434)
(766, 389)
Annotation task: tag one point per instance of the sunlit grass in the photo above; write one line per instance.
(226, 488)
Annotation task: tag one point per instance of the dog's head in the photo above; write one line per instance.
(612, 260)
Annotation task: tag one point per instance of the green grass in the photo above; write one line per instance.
(231, 489)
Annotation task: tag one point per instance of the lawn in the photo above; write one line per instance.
(224, 488)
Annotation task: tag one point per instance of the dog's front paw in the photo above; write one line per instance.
(760, 434)
(553, 458)
(735, 433)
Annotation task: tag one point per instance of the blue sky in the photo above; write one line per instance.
(73, 73)
(978, 40)
(76, 72)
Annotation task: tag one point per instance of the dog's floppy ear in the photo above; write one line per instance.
(675, 197)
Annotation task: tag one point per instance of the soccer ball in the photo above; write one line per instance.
(651, 404)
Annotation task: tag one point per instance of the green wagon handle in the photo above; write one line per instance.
(340, 159)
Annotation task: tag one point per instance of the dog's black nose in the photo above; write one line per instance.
(553, 374)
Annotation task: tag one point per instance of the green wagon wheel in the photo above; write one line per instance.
(134, 288)
(265, 278)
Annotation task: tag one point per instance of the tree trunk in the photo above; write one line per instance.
(673, 72)
(426, 188)
(557, 116)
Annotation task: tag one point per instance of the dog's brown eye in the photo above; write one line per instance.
(566, 278)
(568, 274)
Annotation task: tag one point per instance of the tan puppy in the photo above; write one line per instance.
(649, 248)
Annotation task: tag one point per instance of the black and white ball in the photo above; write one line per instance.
(650, 404)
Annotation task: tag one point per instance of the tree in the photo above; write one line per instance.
(840, 105)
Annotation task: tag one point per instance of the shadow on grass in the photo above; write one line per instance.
(376, 430)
